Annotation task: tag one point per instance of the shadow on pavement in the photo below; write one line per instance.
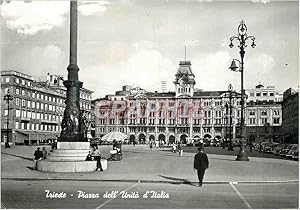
(223, 159)
(173, 155)
(178, 180)
(132, 151)
(26, 158)
(30, 167)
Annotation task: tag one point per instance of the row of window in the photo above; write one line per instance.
(38, 105)
(37, 127)
(252, 121)
(264, 112)
(262, 94)
(171, 104)
(184, 90)
(39, 96)
(38, 115)
(171, 114)
(17, 80)
(44, 97)
(160, 130)
(182, 121)
(23, 82)
(43, 106)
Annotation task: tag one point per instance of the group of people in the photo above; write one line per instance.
(201, 162)
(95, 155)
(156, 144)
(177, 147)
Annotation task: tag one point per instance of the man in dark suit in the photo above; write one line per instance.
(200, 164)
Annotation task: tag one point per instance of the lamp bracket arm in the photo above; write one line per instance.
(234, 37)
(250, 37)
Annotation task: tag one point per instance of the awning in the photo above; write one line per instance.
(23, 132)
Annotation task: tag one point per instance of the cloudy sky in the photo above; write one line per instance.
(140, 42)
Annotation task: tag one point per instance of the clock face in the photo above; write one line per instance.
(182, 83)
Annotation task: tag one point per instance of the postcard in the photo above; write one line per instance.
(161, 104)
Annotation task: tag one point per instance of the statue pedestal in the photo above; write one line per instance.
(69, 157)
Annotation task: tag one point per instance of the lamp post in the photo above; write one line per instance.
(8, 97)
(228, 107)
(230, 147)
(242, 37)
(226, 121)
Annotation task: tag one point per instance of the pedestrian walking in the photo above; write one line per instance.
(151, 145)
(156, 144)
(174, 147)
(45, 152)
(260, 147)
(180, 149)
(223, 144)
(95, 153)
(251, 146)
(200, 164)
(38, 155)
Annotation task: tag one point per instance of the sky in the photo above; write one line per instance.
(140, 42)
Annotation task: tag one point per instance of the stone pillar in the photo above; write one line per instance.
(72, 145)
(73, 124)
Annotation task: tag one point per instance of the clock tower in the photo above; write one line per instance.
(185, 80)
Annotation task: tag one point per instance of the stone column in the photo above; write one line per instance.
(73, 124)
(72, 145)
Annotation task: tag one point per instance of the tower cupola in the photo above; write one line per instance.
(184, 80)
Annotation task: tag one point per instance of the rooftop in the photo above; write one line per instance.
(16, 73)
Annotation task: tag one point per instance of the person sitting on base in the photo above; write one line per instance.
(45, 152)
(97, 156)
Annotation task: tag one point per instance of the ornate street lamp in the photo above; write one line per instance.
(228, 107)
(242, 37)
(230, 147)
(8, 97)
(226, 121)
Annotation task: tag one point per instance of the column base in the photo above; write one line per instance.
(230, 148)
(69, 158)
(242, 156)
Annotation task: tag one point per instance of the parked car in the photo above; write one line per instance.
(215, 143)
(284, 151)
(269, 147)
(256, 146)
(293, 149)
(296, 155)
(206, 142)
(279, 147)
(197, 142)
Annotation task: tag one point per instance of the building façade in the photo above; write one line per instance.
(185, 114)
(36, 110)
